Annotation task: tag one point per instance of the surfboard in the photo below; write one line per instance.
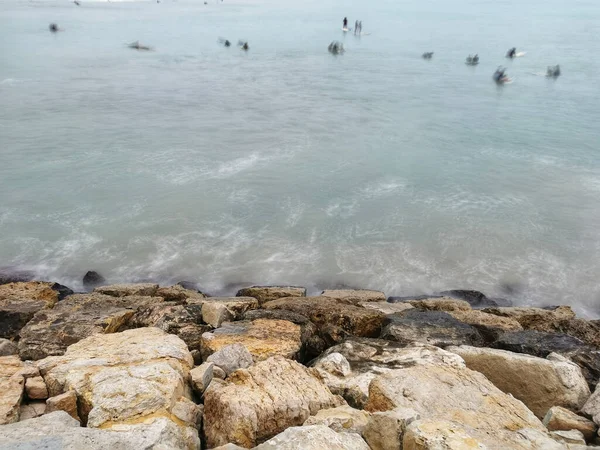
(520, 54)
(346, 29)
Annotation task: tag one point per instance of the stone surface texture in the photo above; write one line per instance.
(314, 437)
(341, 419)
(267, 293)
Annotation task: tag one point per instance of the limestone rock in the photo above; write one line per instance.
(32, 410)
(430, 434)
(569, 437)
(124, 290)
(334, 364)
(484, 320)
(51, 331)
(539, 383)
(441, 304)
(277, 393)
(8, 348)
(591, 407)
(129, 377)
(354, 296)
(219, 373)
(35, 388)
(267, 293)
(443, 392)
(13, 274)
(215, 314)
(216, 310)
(35, 290)
(12, 385)
(341, 419)
(188, 412)
(475, 298)
(66, 402)
(92, 280)
(179, 294)
(228, 447)
(315, 437)
(561, 419)
(263, 338)
(202, 376)
(386, 307)
(231, 358)
(430, 327)
(385, 429)
(323, 311)
(59, 431)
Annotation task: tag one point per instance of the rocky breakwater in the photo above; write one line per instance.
(144, 366)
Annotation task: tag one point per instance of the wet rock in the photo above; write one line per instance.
(201, 377)
(324, 311)
(431, 434)
(561, 419)
(385, 430)
(489, 325)
(121, 379)
(124, 290)
(277, 393)
(51, 331)
(267, 293)
(538, 383)
(439, 392)
(231, 358)
(263, 338)
(386, 307)
(430, 327)
(475, 298)
(66, 402)
(92, 280)
(8, 348)
(12, 384)
(15, 275)
(58, 430)
(440, 304)
(179, 294)
(354, 296)
(35, 388)
(341, 419)
(314, 437)
(32, 410)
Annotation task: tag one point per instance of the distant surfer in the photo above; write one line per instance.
(356, 27)
(500, 75)
(359, 26)
(137, 46)
(427, 55)
(512, 53)
(77, 3)
(553, 71)
(53, 27)
(227, 43)
(245, 46)
(345, 25)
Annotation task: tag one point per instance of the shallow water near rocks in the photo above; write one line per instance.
(285, 164)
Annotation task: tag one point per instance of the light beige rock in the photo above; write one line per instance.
(335, 364)
(12, 384)
(461, 395)
(569, 437)
(188, 412)
(66, 402)
(219, 373)
(32, 410)
(236, 306)
(354, 296)
(529, 438)
(387, 308)
(33, 290)
(35, 388)
(255, 404)
(267, 293)
(231, 358)
(438, 435)
(441, 304)
(178, 294)
(8, 348)
(229, 447)
(315, 437)
(341, 419)
(530, 317)
(537, 382)
(201, 377)
(215, 314)
(262, 337)
(122, 379)
(124, 290)
(592, 406)
(561, 419)
(385, 430)
(476, 317)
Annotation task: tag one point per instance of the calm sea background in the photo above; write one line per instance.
(285, 164)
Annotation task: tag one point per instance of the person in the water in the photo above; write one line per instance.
(345, 22)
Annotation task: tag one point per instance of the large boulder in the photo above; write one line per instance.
(447, 392)
(486, 322)
(591, 407)
(59, 431)
(66, 402)
(231, 358)
(255, 404)
(341, 419)
(561, 419)
(440, 304)
(432, 434)
(216, 310)
(92, 280)
(179, 294)
(354, 296)
(385, 429)
(325, 311)
(135, 377)
(35, 290)
(51, 331)
(430, 327)
(15, 274)
(124, 290)
(12, 384)
(314, 437)
(267, 293)
(262, 337)
(475, 298)
(539, 383)
(387, 307)
(8, 347)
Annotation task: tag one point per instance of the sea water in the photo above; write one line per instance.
(286, 164)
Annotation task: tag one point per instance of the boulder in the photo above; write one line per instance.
(35, 388)
(267, 293)
(591, 407)
(277, 393)
(59, 431)
(219, 373)
(216, 310)
(12, 384)
(125, 290)
(32, 410)
(51, 331)
(314, 437)
(341, 419)
(15, 275)
(573, 437)
(66, 402)
(386, 307)
(35, 290)
(447, 392)
(92, 280)
(8, 348)
(436, 434)
(201, 377)
(231, 358)
(134, 377)
(430, 327)
(561, 419)
(179, 294)
(323, 311)
(539, 383)
(215, 314)
(262, 337)
(486, 322)
(440, 304)
(385, 429)
(354, 296)
(475, 298)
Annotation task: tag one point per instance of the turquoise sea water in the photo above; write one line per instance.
(286, 164)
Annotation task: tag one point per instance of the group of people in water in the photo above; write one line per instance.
(357, 26)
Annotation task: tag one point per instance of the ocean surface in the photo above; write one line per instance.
(286, 164)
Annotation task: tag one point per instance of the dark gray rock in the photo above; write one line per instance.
(475, 298)
(416, 297)
(431, 327)
(92, 280)
(63, 291)
(14, 274)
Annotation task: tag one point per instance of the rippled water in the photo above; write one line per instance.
(285, 164)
